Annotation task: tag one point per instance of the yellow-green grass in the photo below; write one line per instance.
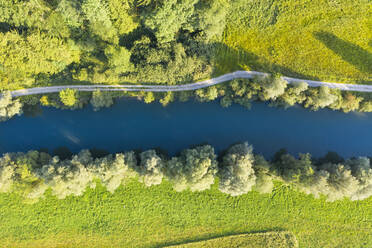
(314, 39)
(136, 216)
(254, 240)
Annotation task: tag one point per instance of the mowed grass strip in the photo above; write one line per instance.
(314, 39)
(136, 216)
(252, 240)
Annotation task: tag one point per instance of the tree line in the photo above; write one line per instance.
(238, 169)
(50, 42)
(240, 91)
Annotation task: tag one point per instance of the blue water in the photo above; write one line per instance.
(131, 124)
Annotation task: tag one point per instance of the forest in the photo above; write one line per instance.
(238, 169)
(97, 41)
(58, 42)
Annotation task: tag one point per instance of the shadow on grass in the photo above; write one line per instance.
(243, 59)
(351, 53)
(211, 236)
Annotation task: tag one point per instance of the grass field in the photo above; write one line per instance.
(251, 240)
(136, 216)
(321, 39)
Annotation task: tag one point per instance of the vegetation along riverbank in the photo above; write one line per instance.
(242, 91)
(92, 42)
(95, 200)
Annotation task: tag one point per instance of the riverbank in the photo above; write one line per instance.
(187, 87)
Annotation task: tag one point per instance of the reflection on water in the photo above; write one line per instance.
(70, 136)
(131, 124)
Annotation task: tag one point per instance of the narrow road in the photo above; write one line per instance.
(184, 87)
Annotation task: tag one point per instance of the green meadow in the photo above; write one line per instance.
(321, 40)
(136, 216)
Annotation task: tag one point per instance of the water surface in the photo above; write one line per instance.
(131, 124)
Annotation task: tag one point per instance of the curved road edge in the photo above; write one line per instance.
(184, 87)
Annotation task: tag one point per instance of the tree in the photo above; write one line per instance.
(8, 106)
(236, 173)
(112, 171)
(361, 169)
(210, 19)
(23, 57)
(98, 14)
(320, 97)
(151, 168)
(7, 173)
(149, 97)
(208, 94)
(340, 182)
(167, 19)
(19, 173)
(350, 102)
(292, 170)
(295, 93)
(69, 97)
(365, 106)
(70, 13)
(264, 182)
(69, 177)
(272, 88)
(194, 169)
(118, 59)
(122, 16)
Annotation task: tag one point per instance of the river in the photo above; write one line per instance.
(131, 124)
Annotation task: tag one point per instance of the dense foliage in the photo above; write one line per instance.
(47, 42)
(107, 41)
(165, 42)
(241, 91)
(239, 170)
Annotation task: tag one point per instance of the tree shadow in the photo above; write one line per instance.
(6, 27)
(351, 53)
(229, 59)
(211, 236)
(62, 152)
(128, 40)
